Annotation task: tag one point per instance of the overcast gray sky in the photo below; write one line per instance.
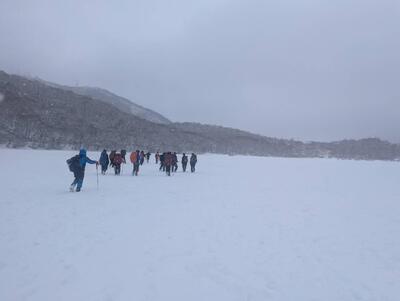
(304, 69)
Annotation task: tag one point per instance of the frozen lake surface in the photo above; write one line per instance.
(240, 228)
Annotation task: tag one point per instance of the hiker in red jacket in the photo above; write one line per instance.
(168, 162)
(117, 163)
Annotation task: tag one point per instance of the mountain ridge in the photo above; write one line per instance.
(37, 115)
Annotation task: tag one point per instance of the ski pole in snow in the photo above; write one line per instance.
(97, 174)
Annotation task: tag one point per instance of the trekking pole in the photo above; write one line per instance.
(97, 174)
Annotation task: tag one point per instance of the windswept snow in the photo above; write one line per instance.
(241, 228)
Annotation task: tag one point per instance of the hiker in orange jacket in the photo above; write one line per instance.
(135, 159)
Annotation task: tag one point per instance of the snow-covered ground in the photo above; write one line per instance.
(241, 228)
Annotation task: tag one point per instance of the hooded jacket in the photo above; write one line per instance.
(83, 159)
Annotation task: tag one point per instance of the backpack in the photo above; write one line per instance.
(112, 155)
(74, 163)
(133, 157)
(118, 159)
(168, 159)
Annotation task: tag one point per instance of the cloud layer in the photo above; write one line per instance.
(313, 70)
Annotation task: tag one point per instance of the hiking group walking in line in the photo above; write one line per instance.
(168, 162)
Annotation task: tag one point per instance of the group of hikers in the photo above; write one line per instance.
(168, 163)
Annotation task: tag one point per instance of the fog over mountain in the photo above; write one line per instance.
(309, 70)
(123, 104)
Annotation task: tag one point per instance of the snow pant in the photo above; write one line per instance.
(78, 181)
(104, 168)
(193, 167)
(162, 166)
(156, 160)
(141, 161)
(136, 168)
(184, 166)
(175, 167)
(117, 169)
(168, 169)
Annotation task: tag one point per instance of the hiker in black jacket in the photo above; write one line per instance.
(174, 162)
(193, 162)
(104, 161)
(184, 162)
(162, 164)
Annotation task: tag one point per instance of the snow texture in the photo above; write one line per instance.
(240, 228)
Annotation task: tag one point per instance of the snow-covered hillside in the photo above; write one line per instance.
(240, 228)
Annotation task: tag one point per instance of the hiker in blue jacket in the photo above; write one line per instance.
(77, 166)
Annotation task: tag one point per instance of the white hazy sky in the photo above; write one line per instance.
(305, 69)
